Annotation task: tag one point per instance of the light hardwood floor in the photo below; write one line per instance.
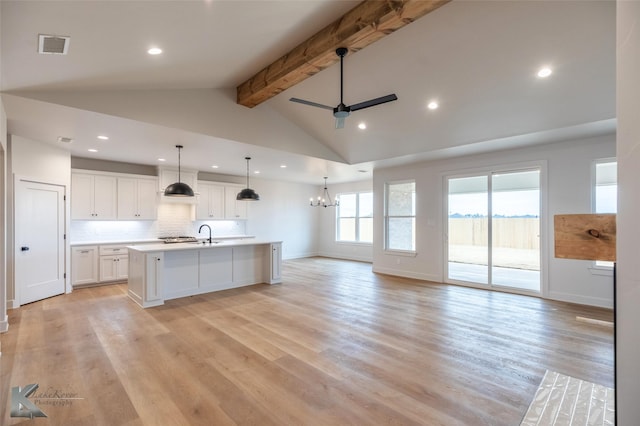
(334, 344)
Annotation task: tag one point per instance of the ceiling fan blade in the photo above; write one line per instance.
(340, 123)
(302, 101)
(374, 102)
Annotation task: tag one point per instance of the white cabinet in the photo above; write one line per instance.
(114, 263)
(145, 278)
(234, 209)
(276, 263)
(84, 265)
(137, 198)
(210, 201)
(93, 197)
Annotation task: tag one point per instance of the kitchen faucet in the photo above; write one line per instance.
(200, 230)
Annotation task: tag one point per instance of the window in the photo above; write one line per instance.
(355, 217)
(400, 216)
(605, 192)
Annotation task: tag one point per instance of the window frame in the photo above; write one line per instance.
(357, 218)
(599, 267)
(387, 217)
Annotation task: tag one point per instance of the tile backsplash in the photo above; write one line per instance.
(173, 220)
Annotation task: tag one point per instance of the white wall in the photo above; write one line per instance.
(283, 213)
(3, 219)
(42, 162)
(327, 245)
(568, 176)
(628, 255)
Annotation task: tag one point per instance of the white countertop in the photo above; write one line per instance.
(147, 248)
(149, 241)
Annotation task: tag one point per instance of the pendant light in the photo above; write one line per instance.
(325, 199)
(247, 194)
(178, 189)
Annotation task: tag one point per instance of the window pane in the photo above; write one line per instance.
(606, 187)
(347, 205)
(401, 199)
(401, 234)
(366, 230)
(347, 229)
(365, 204)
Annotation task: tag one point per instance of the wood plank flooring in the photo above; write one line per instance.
(334, 344)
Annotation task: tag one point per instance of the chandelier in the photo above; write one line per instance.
(325, 199)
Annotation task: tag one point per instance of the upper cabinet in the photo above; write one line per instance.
(137, 198)
(233, 208)
(218, 201)
(93, 197)
(210, 202)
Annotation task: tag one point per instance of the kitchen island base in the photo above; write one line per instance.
(158, 273)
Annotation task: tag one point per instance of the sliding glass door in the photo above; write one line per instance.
(493, 224)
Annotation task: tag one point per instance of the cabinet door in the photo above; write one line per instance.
(84, 265)
(153, 279)
(147, 199)
(202, 208)
(127, 199)
(234, 209)
(81, 196)
(108, 268)
(104, 197)
(210, 202)
(122, 270)
(276, 263)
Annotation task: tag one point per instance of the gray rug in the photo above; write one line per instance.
(562, 400)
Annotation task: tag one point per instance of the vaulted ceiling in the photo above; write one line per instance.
(477, 59)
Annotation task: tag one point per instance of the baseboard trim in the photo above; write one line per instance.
(4, 325)
(581, 300)
(12, 304)
(406, 274)
(366, 259)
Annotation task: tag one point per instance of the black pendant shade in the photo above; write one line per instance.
(247, 194)
(178, 189)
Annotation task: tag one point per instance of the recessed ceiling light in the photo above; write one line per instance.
(283, 166)
(362, 126)
(154, 51)
(257, 172)
(362, 171)
(215, 166)
(544, 72)
(162, 159)
(103, 137)
(92, 150)
(433, 105)
(64, 139)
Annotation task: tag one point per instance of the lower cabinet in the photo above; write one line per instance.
(276, 263)
(114, 268)
(99, 264)
(84, 265)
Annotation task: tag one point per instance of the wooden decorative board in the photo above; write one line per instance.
(585, 236)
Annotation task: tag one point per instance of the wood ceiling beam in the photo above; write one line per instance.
(364, 24)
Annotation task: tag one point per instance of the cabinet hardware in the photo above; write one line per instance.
(24, 248)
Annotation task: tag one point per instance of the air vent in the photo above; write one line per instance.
(64, 139)
(53, 45)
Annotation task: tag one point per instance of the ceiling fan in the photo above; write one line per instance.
(342, 111)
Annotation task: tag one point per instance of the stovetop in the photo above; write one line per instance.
(181, 239)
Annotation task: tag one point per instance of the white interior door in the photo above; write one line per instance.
(39, 250)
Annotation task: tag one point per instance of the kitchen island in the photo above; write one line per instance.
(159, 272)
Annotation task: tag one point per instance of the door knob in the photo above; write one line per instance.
(24, 248)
